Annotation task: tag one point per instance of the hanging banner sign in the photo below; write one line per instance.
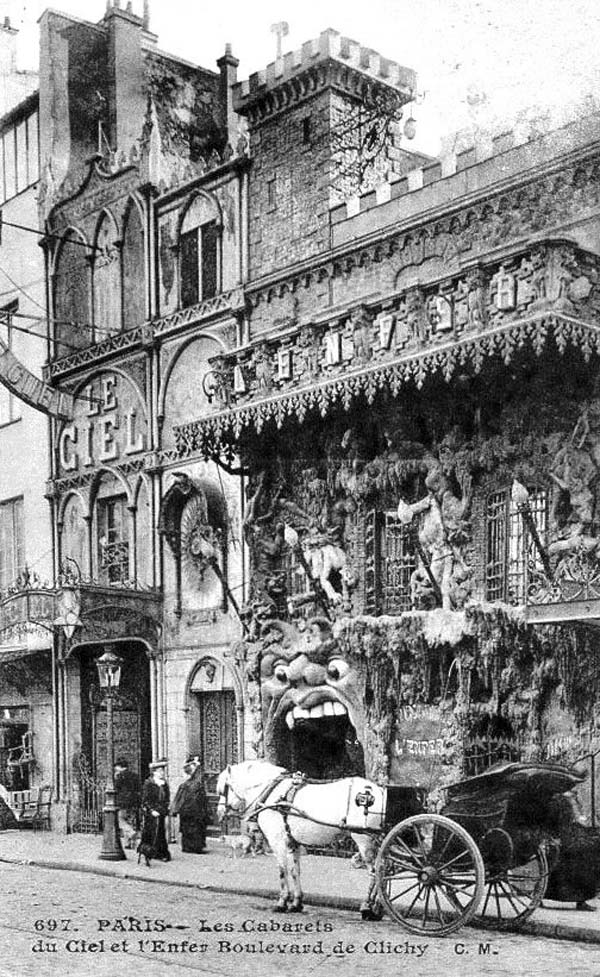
(29, 388)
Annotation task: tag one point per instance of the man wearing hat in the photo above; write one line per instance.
(155, 807)
(191, 806)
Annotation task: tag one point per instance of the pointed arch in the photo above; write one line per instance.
(71, 292)
(199, 240)
(106, 280)
(133, 266)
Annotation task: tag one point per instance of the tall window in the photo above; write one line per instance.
(390, 562)
(19, 156)
(113, 539)
(10, 406)
(12, 549)
(511, 554)
(199, 258)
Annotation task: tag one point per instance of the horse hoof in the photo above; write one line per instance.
(371, 914)
(280, 909)
(297, 907)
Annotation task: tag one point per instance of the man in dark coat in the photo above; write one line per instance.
(155, 807)
(127, 799)
(191, 805)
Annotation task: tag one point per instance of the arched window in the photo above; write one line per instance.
(199, 252)
(107, 285)
(71, 289)
(134, 305)
(112, 532)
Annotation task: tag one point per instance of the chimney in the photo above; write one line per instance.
(126, 71)
(228, 119)
(8, 48)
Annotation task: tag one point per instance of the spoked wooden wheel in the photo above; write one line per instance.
(430, 875)
(512, 894)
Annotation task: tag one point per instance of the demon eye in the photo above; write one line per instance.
(337, 668)
(281, 673)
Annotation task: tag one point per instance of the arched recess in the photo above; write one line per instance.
(133, 268)
(112, 528)
(71, 292)
(214, 709)
(74, 543)
(107, 279)
(182, 397)
(193, 520)
(199, 246)
(143, 535)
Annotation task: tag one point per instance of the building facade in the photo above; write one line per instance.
(415, 413)
(26, 571)
(329, 481)
(144, 201)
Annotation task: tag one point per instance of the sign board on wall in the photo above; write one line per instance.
(419, 746)
(30, 389)
(107, 425)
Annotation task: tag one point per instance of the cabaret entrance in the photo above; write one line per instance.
(213, 727)
(132, 735)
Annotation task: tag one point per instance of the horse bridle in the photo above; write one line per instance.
(225, 795)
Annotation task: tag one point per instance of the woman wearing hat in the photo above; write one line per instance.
(191, 806)
(155, 807)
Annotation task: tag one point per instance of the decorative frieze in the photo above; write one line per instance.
(482, 312)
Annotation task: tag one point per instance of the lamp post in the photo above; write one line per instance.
(109, 674)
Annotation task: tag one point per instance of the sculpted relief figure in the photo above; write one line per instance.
(575, 471)
(441, 531)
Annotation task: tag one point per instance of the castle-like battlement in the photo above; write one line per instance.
(330, 45)
(489, 160)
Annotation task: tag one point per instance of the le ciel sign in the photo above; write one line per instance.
(109, 423)
(29, 388)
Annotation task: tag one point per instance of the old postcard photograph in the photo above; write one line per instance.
(299, 488)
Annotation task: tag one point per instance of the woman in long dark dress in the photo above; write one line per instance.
(191, 806)
(155, 807)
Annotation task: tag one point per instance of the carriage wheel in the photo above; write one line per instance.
(430, 874)
(512, 894)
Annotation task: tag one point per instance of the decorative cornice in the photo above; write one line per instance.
(457, 324)
(560, 191)
(232, 302)
(145, 335)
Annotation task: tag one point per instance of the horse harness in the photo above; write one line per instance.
(284, 805)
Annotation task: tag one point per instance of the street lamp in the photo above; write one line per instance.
(109, 674)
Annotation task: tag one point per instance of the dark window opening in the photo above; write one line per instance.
(113, 541)
(199, 264)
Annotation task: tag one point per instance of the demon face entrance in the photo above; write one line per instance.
(312, 708)
(322, 745)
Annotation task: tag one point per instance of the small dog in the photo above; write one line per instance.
(240, 845)
(133, 840)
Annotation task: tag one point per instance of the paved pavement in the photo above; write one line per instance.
(330, 882)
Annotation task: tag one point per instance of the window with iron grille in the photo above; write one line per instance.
(113, 539)
(511, 554)
(390, 561)
(12, 548)
(297, 581)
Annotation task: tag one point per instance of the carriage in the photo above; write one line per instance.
(487, 856)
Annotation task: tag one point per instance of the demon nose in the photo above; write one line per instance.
(315, 674)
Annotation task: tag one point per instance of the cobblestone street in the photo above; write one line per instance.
(70, 924)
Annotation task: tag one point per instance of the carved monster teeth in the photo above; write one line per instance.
(323, 710)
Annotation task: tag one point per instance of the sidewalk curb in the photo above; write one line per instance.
(554, 931)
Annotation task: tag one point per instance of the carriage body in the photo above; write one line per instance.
(487, 855)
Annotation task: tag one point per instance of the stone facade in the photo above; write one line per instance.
(331, 477)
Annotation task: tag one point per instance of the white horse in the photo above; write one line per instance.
(291, 812)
